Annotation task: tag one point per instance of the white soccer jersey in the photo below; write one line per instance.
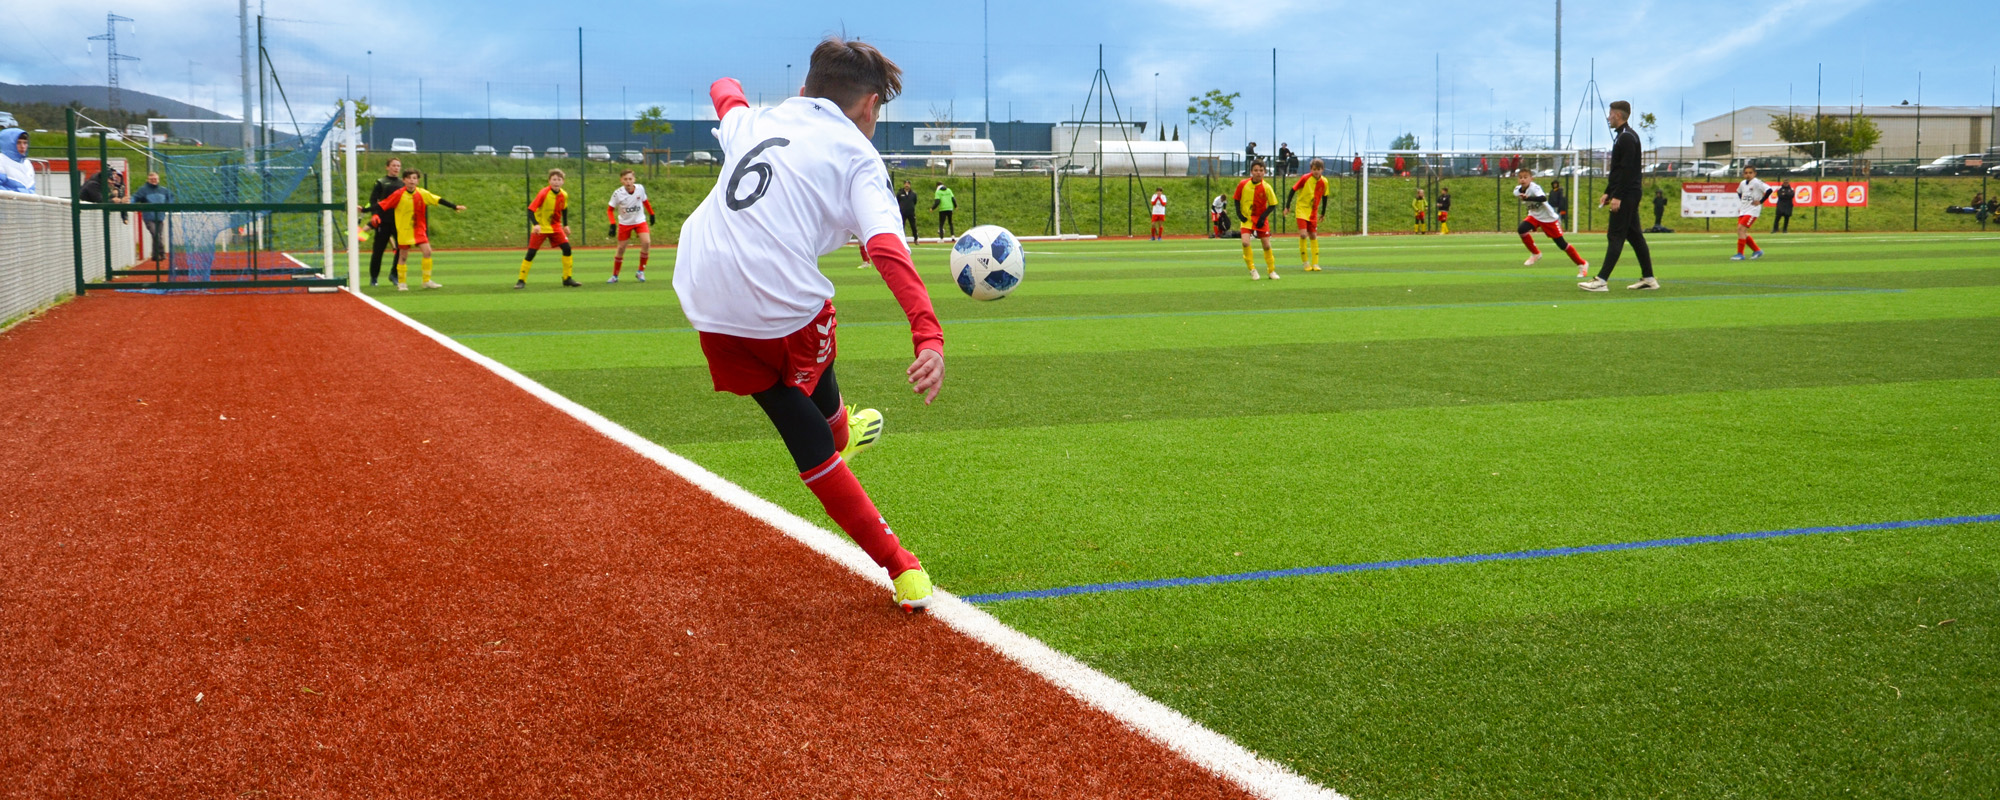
(631, 206)
(1538, 202)
(1159, 203)
(1750, 197)
(797, 180)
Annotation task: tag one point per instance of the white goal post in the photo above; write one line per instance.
(1439, 159)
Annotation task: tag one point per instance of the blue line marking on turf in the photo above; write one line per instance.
(1576, 299)
(1518, 555)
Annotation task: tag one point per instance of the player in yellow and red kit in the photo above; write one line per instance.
(1255, 201)
(411, 206)
(1309, 207)
(549, 216)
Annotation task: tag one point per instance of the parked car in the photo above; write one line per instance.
(1965, 164)
(485, 150)
(7, 120)
(556, 152)
(1813, 167)
(521, 151)
(597, 152)
(1659, 168)
(138, 132)
(100, 130)
(1702, 169)
(699, 158)
(186, 141)
(402, 145)
(633, 157)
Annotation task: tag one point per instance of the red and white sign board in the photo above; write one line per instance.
(60, 166)
(1718, 200)
(1700, 200)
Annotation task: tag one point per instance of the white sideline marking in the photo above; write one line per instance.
(1206, 748)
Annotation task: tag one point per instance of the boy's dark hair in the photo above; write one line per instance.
(1622, 106)
(412, 172)
(845, 72)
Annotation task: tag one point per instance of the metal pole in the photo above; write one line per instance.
(1099, 85)
(583, 164)
(1917, 187)
(104, 188)
(353, 227)
(75, 203)
(1819, 88)
(1557, 132)
(326, 216)
(249, 132)
(1364, 194)
(986, 79)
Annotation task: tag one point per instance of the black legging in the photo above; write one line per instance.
(1784, 216)
(1623, 226)
(1526, 229)
(910, 221)
(384, 234)
(802, 420)
(944, 221)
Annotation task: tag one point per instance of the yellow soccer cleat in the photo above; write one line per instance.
(913, 590)
(864, 427)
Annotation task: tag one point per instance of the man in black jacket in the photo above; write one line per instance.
(906, 200)
(1621, 196)
(385, 224)
(1785, 195)
(1659, 207)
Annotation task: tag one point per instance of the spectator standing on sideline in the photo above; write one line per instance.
(906, 200)
(1621, 196)
(1357, 167)
(944, 202)
(1284, 159)
(1560, 202)
(385, 224)
(16, 174)
(152, 192)
(1249, 157)
(1784, 214)
(1659, 207)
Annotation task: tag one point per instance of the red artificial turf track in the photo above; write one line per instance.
(268, 546)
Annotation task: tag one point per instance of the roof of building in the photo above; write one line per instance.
(1871, 111)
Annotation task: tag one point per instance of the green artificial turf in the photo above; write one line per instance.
(1140, 411)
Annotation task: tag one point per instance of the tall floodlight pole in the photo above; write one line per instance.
(986, 65)
(1558, 132)
(249, 131)
(582, 165)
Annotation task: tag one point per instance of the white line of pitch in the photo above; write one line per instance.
(1149, 717)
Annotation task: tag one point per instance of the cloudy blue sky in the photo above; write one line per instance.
(1468, 69)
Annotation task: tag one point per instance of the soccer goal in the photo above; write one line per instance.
(242, 217)
(1481, 183)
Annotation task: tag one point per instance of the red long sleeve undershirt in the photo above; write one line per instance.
(611, 212)
(892, 261)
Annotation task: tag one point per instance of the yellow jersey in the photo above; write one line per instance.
(1307, 193)
(1253, 200)
(551, 208)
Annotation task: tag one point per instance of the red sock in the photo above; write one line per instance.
(1739, 245)
(1573, 255)
(1752, 241)
(849, 506)
(839, 424)
(1530, 242)
(617, 263)
(642, 261)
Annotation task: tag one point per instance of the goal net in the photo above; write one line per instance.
(1464, 190)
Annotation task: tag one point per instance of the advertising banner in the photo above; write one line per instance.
(1718, 200)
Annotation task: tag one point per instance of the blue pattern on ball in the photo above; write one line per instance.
(1003, 246)
(966, 244)
(1001, 279)
(965, 279)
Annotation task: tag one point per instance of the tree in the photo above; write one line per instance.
(1407, 141)
(1843, 137)
(1212, 112)
(1177, 133)
(653, 123)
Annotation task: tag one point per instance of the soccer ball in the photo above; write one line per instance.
(986, 262)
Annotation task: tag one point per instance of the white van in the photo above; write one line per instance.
(402, 145)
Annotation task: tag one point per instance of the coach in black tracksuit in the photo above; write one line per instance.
(906, 201)
(1621, 196)
(385, 230)
(1786, 198)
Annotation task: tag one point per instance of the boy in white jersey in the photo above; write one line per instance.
(1158, 207)
(797, 180)
(1750, 195)
(1542, 216)
(631, 214)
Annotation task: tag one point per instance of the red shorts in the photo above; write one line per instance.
(1444, 216)
(1747, 220)
(1261, 231)
(626, 231)
(560, 237)
(748, 366)
(1553, 230)
(1159, 217)
(1308, 226)
(1420, 216)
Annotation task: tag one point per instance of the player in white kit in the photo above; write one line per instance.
(797, 180)
(1750, 196)
(631, 214)
(1542, 215)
